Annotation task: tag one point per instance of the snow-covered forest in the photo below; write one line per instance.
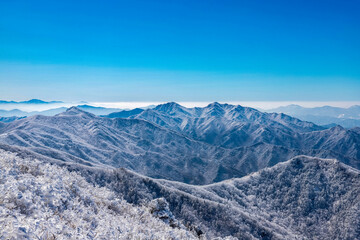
(43, 201)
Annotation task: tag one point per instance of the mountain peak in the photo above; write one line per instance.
(72, 111)
(85, 106)
(294, 106)
(35, 101)
(215, 109)
(168, 107)
(338, 128)
(38, 101)
(215, 104)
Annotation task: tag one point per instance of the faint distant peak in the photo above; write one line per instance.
(294, 106)
(288, 107)
(355, 107)
(85, 106)
(35, 101)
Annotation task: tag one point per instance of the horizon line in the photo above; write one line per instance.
(261, 105)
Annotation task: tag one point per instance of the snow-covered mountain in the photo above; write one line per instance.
(236, 127)
(162, 152)
(227, 125)
(77, 175)
(303, 198)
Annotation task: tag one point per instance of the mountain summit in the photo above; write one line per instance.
(75, 111)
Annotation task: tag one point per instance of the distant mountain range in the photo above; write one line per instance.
(198, 145)
(32, 101)
(327, 115)
(54, 111)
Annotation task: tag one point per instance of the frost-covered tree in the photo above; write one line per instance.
(43, 201)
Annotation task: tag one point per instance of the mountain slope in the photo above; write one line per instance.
(227, 125)
(125, 113)
(232, 126)
(303, 198)
(43, 201)
(78, 136)
(81, 137)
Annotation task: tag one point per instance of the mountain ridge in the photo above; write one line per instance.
(297, 199)
(31, 101)
(161, 152)
(222, 124)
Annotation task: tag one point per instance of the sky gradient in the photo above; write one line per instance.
(180, 50)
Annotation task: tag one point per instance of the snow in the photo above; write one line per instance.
(43, 201)
(302, 198)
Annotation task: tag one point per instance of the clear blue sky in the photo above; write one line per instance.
(180, 50)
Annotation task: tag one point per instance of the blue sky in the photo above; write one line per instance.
(180, 50)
